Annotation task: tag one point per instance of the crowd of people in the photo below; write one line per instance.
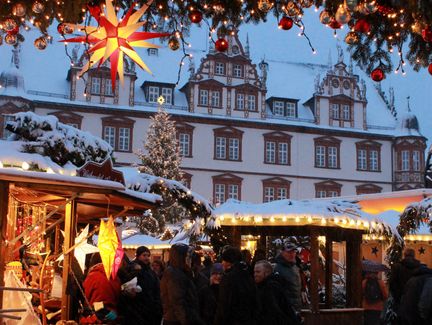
(231, 290)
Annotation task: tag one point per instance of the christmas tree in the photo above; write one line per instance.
(162, 158)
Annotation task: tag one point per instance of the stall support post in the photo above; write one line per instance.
(354, 270)
(236, 237)
(329, 272)
(315, 272)
(69, 239)
(4, 204)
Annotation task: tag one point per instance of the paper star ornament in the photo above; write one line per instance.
(114, 38)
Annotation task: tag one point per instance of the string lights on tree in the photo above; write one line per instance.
(375, 27)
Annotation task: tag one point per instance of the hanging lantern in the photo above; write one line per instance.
(18, 10)
(10, 39)
(40, 43)
(292, 9)
(286, 23)
(195, 16)
(174, 43)
(351, 38)
(362, 26)
(9, 24)
(325, 17)
(264, 5)
(351, 4)
(306, 3)
(370, 7)
(429, 67)
(38, 7)
(427, 34)
(342, 15)
(334, 24)
(221, 45)
(377, 75)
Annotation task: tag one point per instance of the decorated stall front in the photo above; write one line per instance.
(326, 221)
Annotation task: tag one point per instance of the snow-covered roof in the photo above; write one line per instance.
(334, 213)
(150, 242)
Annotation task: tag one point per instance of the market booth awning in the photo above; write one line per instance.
(68, 200)
(336, 220)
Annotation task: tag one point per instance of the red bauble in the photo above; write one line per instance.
(377, 75)
(334, 24)
(221, 45)
(195, 16)
(14, 31)
(61, 28)
(286, 23)
(430, 68)
(362, 26)
(427, 34)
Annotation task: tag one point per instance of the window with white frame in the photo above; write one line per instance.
(234, 149)
(219, 193)
(124, 139)
(270, 152)
(278, 108)
(238, 71)
(251, 103)
(153, 94)
(283, 153)
(184, 144)
(327, 152)
(335, 111)
(416, 160)
(215, 98)
(108, 88)
(282, 193)
(110, 135)
(152, 51)
(368, 156)
(220, 68)
(362, 159)
(226, 186)
(95, 85)
(373, 160)
(346, 112)
(269, 194)
(233, 191)
(327, 189)
(332, 157)
(321, 194)
(220, 148)
(203, 97)
(167, 95)
(405, 163)
(290, 109)
(240, 101)
(320, 156)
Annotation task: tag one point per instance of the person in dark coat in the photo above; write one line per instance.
(401, 273)
(208, 263)
(158, 267)
(286, 266)
(237, 301)
(408, 312)
(425, 303)
(274, 307)
(208, 295)
(178, 292)
(199, 279)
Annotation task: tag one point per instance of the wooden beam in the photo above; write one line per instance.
(4, 204)
(354, 270)
(69, 234)
(329, 272)
(315, 270)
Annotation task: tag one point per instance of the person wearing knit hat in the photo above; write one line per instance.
(208, 295)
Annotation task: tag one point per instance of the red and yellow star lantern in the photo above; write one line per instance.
(114, 38)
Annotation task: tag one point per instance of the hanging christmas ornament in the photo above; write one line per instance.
(429, 67)
(342, 16)
(64, 28)
(306, 3)
(377, 75)
(334, 24)
(174, 43)
(221, 45)
(265, 5)
(292, 9)
(362, 26)
(351, 38)
(115, 38)
(40, 43)
(351, 4)
(417, 27)
(10, 39)
(285, 23)
(14, 31)
(9, 24)
(370, 7)
(195, 16)
(427, 34)
(18, 10)
(325, 17)
(38, 7)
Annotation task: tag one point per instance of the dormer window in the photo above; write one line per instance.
(152, 52)
(238, 71)
(278, 108)
(96, 88)
(220, 68)
(153, 90)
(153, 94)
(246, 102)
(284, 108)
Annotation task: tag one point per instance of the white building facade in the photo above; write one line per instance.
(239, 136)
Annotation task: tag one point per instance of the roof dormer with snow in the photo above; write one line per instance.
(338, 100)
(227, 83)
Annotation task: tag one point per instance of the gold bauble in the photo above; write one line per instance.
(174, 43)
(351, 38)
(38, 7)
(11, 39)
(342, 16)
(264, 5)
(306, 3)
(325, 17)
(18, 10)
(9, 24)
(40, 43)
(292, 9)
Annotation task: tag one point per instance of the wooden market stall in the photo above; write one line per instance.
(333, 221)
(67, 201)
